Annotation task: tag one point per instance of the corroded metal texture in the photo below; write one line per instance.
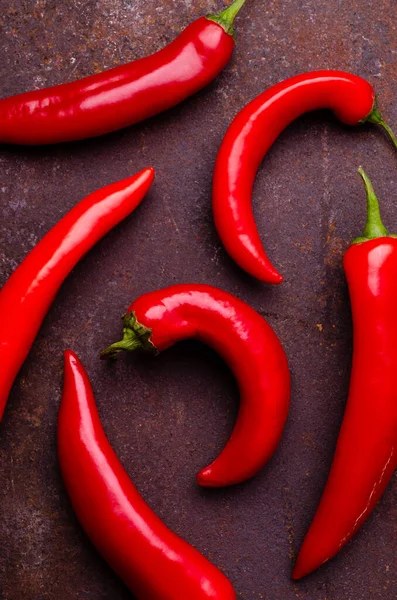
(168, 417)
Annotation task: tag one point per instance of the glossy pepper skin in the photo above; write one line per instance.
(32, 287)
(366, 451)
(250, 137)
(155, 563)
(249, 346)
(124, 95)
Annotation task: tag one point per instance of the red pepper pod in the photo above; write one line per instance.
(157, 320)
(124, 95)
(250, 137)
(154, 562)
(366, 452)
(31, 289)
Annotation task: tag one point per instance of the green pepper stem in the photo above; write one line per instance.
(374, 227)
(135, 337)
(226, 17)
(129, 344)
(376, 117)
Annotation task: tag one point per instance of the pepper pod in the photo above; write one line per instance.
(366, 451)
(29, 292)
(251, 135)
(249, 346)
(153, 561)
(125, 95)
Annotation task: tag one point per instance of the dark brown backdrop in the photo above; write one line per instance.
(167, 418)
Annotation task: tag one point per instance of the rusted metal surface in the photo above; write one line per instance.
(168, 417)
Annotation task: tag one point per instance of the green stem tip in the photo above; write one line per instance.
(376, 117)
(135, 337)
(226, 18)
(374, 227)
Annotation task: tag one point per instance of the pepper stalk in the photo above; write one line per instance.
(226, 17)
(375, 116)
(374, 227)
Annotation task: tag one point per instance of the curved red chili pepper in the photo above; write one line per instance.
(125, 95)
(153, 561)
(366, 452)
(30, 291)
(251, 135)
(249, 346)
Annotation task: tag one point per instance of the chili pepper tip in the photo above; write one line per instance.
(297, 573)
(69, 355)
(226, 17)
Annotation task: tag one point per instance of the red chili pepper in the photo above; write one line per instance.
(249, 346)
(30, 291)
(153, 561)
(252, 134)
(125, 95)
(366, 452)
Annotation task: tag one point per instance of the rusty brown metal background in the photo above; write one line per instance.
(168, 417)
